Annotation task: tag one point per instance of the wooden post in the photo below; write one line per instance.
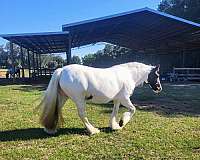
(66, 56)
(22, 60)
(69, 51)
(40, 64)
(12, 59)
(45, 71)
(33, 64)
(37, 64)
(29, 65)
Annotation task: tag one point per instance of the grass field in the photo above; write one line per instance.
(165, 126)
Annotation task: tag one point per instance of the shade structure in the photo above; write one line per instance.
(142, 30)
(47, 42)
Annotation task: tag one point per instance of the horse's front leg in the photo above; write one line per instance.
(82, 114)
(127, 115)
(113, 119)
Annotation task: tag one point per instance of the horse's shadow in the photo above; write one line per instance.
(38, 133)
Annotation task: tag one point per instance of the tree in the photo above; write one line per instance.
(51, 61)
(188, 9)
(110, 55)
(75, 60)
(48, 60)
(3, 57)
(89, 59)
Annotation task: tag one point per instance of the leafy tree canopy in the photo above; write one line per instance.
(75, 60)
(188, 9)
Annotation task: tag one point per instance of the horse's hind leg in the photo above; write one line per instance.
(127, 115)
(82, 114)
(113, 119)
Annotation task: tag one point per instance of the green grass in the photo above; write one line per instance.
(165, 126)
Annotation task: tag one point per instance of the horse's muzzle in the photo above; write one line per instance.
(158, 89)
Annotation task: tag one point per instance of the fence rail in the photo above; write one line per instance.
(185, 74)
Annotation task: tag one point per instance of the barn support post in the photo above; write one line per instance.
(37, 64)
(68, 53)
(33, 75)
(40, 60)
(22, 61)
(12, 59)
(29, 65)
(66, 56)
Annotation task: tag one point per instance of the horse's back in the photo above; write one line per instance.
(101, 84)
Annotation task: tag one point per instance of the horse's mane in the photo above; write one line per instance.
(135, 65)
(140, 68)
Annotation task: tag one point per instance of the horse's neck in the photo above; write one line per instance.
(142, 78)
(139, 73)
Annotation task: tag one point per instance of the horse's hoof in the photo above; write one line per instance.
(121, 122)
(50, 132)
(94, 131)
(115, 127)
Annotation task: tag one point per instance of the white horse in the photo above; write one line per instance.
(82, 84)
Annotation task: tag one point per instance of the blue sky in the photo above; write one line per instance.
(29, 16)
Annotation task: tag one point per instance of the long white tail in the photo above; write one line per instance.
(51, 103)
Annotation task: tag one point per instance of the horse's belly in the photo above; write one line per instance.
(102, 94)
(99, 99)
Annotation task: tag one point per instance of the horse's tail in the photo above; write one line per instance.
(51, 104)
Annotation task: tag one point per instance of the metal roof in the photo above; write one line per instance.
(144, 29)
(47, 42)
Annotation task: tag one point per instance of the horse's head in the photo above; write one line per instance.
(154, 79)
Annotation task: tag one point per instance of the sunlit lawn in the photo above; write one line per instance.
(165, 126)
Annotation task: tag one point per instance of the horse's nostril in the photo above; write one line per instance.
(157, 85)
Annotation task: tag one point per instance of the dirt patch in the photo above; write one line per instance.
(174, 99)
